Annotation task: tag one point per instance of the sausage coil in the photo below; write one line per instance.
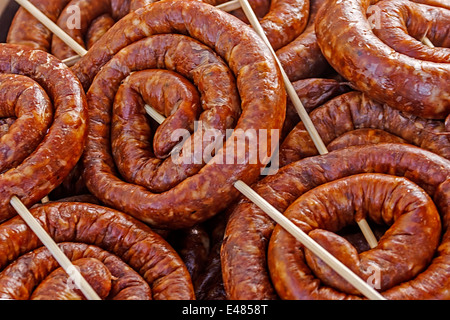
(249, 246)
(390, 64)
(48, 130)
(168, 200)
(139, 263)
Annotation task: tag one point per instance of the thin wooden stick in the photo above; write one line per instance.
(71, 61)
(309, 243)
(367, 232)
(229, 6)
(60, 257)
(425, 39)
(53, 27)
(304, 116)
(154, 114)
(45, 199)
(427, 42)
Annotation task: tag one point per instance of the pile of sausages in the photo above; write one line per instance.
(140, 225)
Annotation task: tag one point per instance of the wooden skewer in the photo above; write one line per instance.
(71, 61)
(154, 114)
(304, 116)
(427, 42)
(367, 232)
(309, 243)
(45, 199)
(229, 6)
(63, 261)
(425, 39)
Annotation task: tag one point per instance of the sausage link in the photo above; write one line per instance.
(57, 285)
(302, 58)
(412, 85)
(363, 136)
(61, 144)
(261, 102)
(98, 28)
(285, 20)
(193, 246)
(354, 110)
(281, 20)
(98, 232)
(26, 30)
(313, 92)
(37, 276)
(249, 229)
(421, 21)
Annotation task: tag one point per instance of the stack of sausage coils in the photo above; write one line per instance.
(140, 226)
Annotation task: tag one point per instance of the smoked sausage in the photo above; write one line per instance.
(85, 230)
(348, 39)
(249, 229)
(58, 141)
(207, 188)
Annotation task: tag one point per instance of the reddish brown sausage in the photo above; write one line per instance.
(37, 276)
(193, 246)
(26, 101)
(434, 3)
(421, 21)
(401, 254)
(61, 147)
(126, 240)
(313, 92)
(354, 110)
(285, 20)
(26, 30)
(302, 57)
(249, 229)
(58, 286)
(363, 136)
(261, 95)
(281, 20)
(346, 38)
